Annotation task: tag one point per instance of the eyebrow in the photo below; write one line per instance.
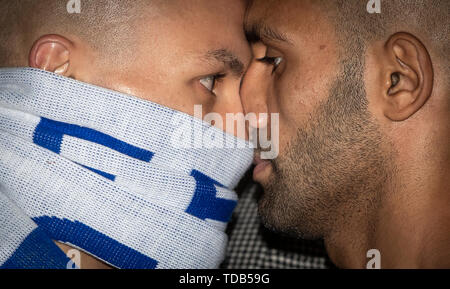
(259, 30)
(229, 59)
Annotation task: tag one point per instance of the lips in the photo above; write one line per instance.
(260, 166)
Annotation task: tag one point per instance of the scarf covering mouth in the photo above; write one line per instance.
(102, 172)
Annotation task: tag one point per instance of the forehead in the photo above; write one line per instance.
(218, 19)
(197, 25)
(183, 32)
(297, 19)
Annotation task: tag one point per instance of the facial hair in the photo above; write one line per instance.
(333, 169)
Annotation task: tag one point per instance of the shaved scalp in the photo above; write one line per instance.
(426, 19)
(103, 24)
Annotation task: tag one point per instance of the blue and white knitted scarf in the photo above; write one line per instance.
(101, 171)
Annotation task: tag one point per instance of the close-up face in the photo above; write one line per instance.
(326, 135)
(178, 54)
(186, 53)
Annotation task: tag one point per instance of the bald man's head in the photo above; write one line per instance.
(103, 24)
(168, 51)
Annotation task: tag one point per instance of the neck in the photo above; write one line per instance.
(408, 224)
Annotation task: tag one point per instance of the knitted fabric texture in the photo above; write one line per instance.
(110, 174)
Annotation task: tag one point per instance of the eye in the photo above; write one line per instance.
(274, 61)
(209, 82)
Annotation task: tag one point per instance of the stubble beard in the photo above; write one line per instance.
(332, 170)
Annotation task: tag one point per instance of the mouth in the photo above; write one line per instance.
(262, 170)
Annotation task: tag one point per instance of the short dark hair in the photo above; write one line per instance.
(426, 19)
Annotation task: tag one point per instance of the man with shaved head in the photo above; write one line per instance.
(148, 48)
(363, 102)
(117, 79)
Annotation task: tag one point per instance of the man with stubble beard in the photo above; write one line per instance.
(364, 125)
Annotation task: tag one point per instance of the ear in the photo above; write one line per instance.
(52, 53)
(407, 76)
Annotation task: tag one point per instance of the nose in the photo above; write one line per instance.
(226, 112)
(255, 90)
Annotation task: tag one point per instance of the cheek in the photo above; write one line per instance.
(192, 102)
(228, 101)
(287, 135)
(178, 96)
(228, 98)
(295, 98)
(288, 99)
(282, 101)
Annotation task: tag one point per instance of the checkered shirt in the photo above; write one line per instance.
(252, 246)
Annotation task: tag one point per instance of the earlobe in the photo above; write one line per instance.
(408, 71)
(51, 53)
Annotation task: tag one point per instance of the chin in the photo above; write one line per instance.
(283, 216)
(273, 216)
